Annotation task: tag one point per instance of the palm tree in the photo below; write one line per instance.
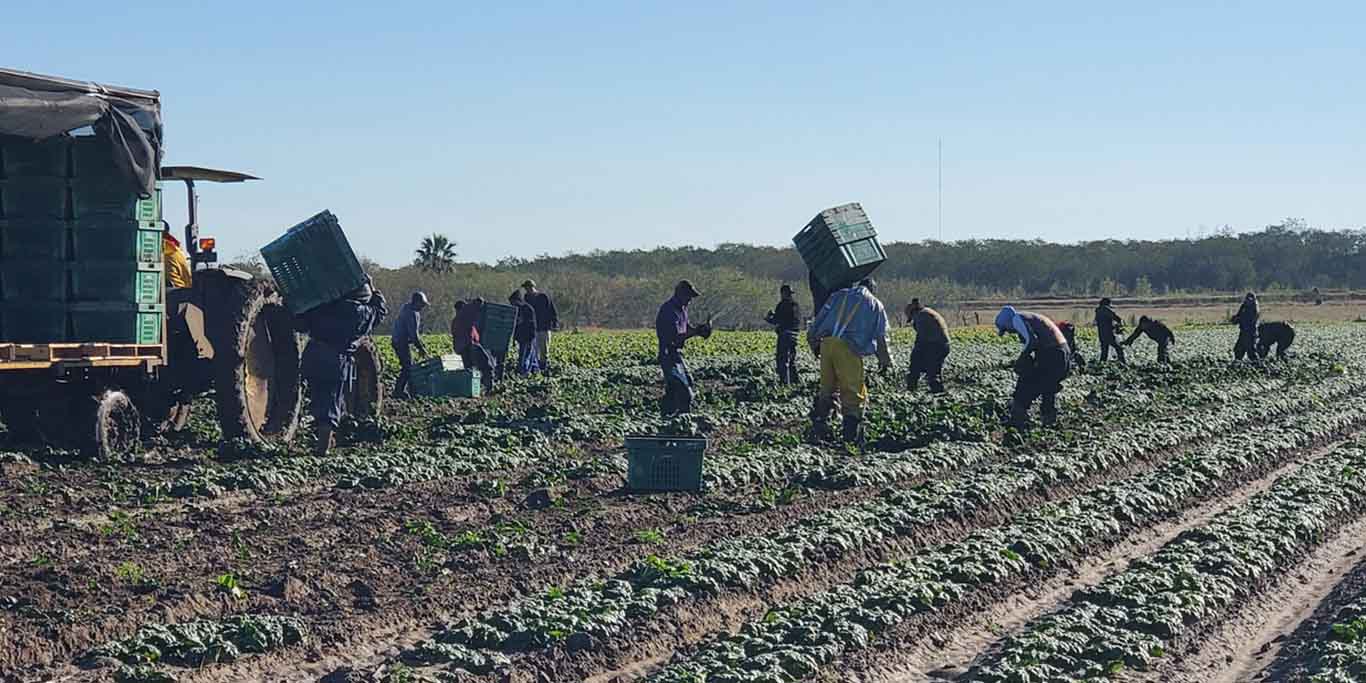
(436, 254)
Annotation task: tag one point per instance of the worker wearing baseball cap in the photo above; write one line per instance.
(407, 333)
(673, 330)
(547, 321)
(786, 318)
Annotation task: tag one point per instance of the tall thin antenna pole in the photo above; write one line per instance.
(941, 189)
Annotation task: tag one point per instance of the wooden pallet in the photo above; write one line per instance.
(54, 353)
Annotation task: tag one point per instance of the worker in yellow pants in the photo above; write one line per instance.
(851, 325)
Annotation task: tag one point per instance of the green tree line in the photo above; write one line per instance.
(739, 282)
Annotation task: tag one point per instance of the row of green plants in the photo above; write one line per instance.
(602, 608)
(1134, 618)
(1342, 657)
(794, 642)
(194, 644)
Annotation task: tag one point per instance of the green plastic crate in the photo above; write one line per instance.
(447, 383)
(113, 199)
(117, 323)
(496, 324)
(21, 157)
(117, 281)
(32, 281)
(25, 239)
(34, 198)
(313, 264)
(116, 239)
(664, 463)
(840, 246)
(33, 324)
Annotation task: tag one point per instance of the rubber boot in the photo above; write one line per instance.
(325, 440)
(820, 417)
(1019, 414)
(853, 430)
(1048, 410)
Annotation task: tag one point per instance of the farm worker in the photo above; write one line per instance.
(406, 333)
(786, 318)
(1042, 366)
(673, 330)
(1109, 324)
(547, 321)
(524, 333)
(1156, 331)
(329, 361)
(1247, 317)
(465, 341)
(179, 275)
(931, 347)
(1069, 332)
(853, 324)
(1278, 334)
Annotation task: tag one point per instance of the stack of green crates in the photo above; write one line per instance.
(313, 263)
(839, 245)
(444, 376)
(80, 250)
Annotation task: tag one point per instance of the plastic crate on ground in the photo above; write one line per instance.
(21, 157)
(43, 238)
(839, 245)
(115, 239)
(313, 263)
(664, 463)
(448, 383)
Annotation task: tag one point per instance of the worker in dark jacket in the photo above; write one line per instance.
(465, 341)
(335, 331)
(1156, 331)
(1069, 332)
(673, 330)
(1247, 318)
(547, 321)
(408, 333)
(1108, 326)
(1042, 366)
(1278, 334)
(524, 333)
(931, 347)
(786, 318)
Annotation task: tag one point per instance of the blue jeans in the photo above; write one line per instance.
(678, 393)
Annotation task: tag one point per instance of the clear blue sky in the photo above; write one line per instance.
(526, 128)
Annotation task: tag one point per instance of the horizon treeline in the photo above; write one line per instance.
(739, 282)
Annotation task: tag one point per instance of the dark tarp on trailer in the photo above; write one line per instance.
(38, 107)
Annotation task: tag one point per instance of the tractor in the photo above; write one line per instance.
(81, 367)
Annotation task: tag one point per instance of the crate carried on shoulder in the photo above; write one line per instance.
(313, 263)
(839, 245)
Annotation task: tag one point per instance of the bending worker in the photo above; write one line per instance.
(673, 330)
(465, 341)
(1156, 331)
(335, 331)
(407, 332)
(853, 324)
(931, 347)
(1278, 334)
(1043, 364)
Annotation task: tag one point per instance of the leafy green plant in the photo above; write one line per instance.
(230, 585)
(648, 536)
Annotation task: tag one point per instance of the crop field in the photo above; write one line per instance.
(1199, 521)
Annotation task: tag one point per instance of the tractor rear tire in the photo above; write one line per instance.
(367, 396)
(256, 364)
